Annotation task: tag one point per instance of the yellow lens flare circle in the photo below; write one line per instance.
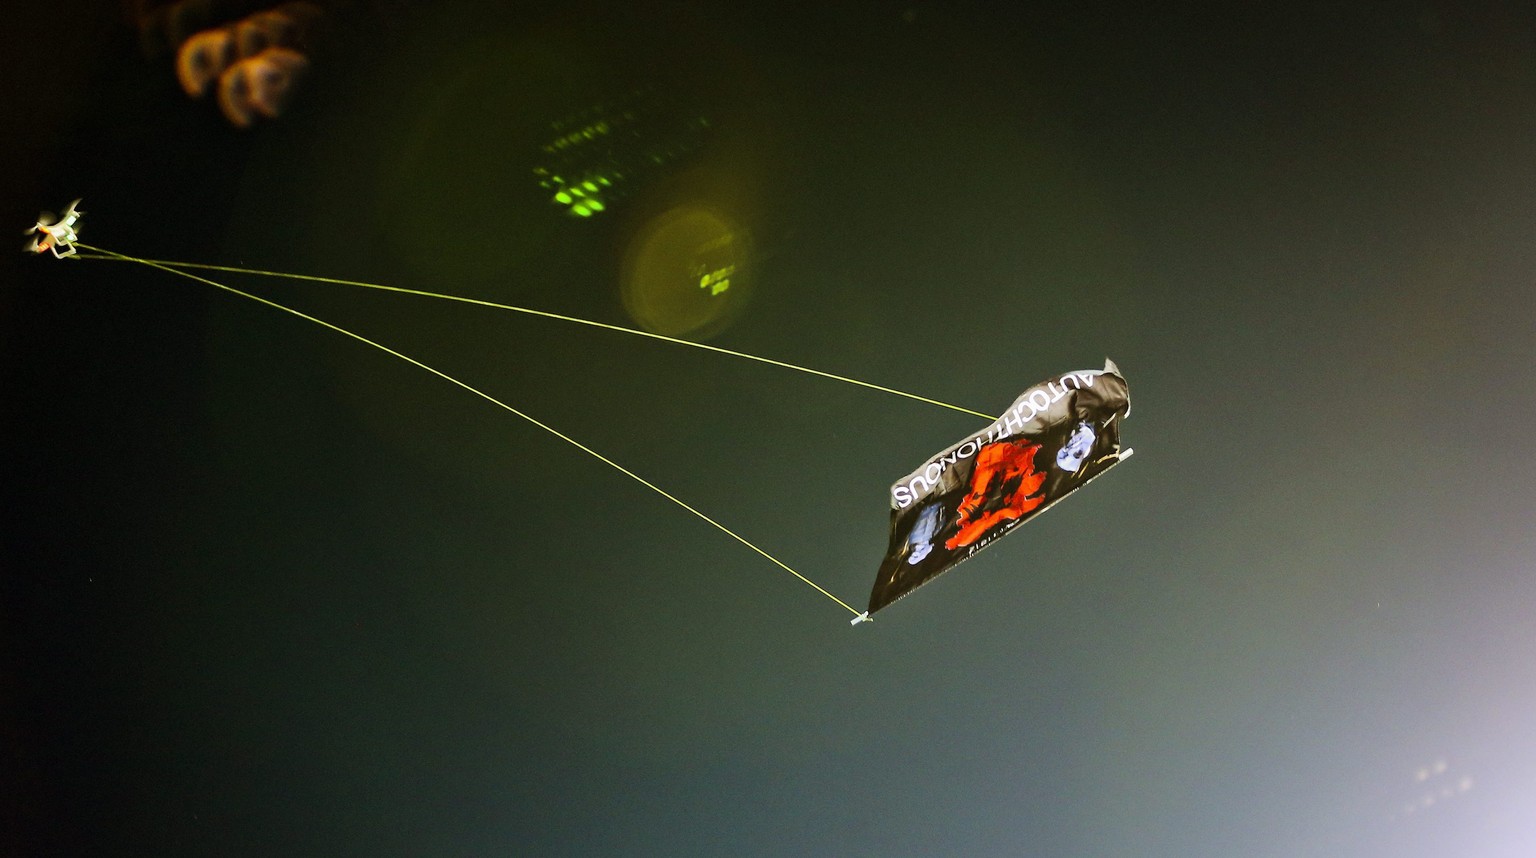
(687, 271)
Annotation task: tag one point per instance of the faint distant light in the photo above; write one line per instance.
(602, 152)
(1426, 772)
(1434, 788)
(687, 271)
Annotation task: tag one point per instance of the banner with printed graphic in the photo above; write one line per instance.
(1057, 436)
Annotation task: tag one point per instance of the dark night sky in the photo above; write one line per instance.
(266, 591)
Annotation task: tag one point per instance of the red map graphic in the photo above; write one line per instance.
(1002, 489)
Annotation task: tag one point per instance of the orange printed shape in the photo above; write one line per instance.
(1003, 486)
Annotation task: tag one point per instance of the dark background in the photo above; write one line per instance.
(266, 591)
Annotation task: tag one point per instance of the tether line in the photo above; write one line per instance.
(489, 398)
(166, 264)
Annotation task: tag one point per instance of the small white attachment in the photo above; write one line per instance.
(1125, 454)
(861, 618)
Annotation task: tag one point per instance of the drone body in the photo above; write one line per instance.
(50, 235)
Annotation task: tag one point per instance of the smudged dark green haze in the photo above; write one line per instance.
(269, 592)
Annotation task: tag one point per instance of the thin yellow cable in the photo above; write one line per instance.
(544, 313)
(493, 400)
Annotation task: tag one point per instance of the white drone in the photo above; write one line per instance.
(50, 234)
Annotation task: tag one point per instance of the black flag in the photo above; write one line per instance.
(1057, 436)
